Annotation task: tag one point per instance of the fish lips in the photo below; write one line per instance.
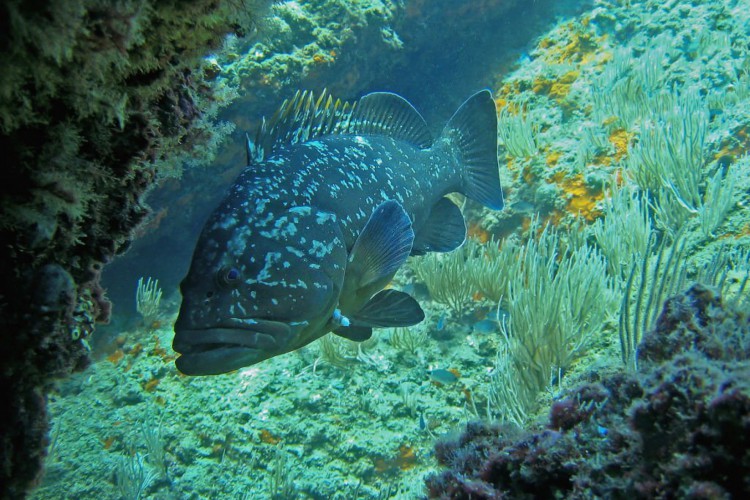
(228, 346)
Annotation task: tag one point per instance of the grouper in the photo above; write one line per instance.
(335, 197)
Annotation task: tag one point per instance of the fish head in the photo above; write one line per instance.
(258, 289)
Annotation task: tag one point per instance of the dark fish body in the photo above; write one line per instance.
(334, 199)
(350, 175)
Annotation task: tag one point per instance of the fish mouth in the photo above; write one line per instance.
(229, 345)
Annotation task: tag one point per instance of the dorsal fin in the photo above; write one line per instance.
(386, 113)
(305, 117)
(299, 119)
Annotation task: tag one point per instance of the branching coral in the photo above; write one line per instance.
(623, 233)
(557, 300)
(445, 276)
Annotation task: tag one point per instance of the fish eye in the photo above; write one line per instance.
(228, 276)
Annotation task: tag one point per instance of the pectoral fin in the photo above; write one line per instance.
(381, 248)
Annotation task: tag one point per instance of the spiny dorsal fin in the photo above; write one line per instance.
(299, 119)
(303, 117)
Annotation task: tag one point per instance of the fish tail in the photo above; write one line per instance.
(472, 134)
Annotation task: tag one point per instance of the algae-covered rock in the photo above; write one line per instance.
(94, 96)
(676, 429)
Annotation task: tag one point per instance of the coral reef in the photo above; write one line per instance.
(677, 429)
(97, 99)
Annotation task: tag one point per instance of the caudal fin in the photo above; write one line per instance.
(472, 130)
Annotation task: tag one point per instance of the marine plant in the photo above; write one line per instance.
(475, 267)
(669, 120)
(489, 267)
(517, 132)
(409, 395)
(577, 281)
(627, 90)
(281, 484)
(408, 339)
(720, 196)
(670, 147)
(729, 272)
(147, 299)
(594, 145)
(157, 452)
(342, 353)
(624, 231)
(333, 352)
(510, 399)
(652, 278)
(445, 277)
(133, 476)
(668, 212)
(557, 300)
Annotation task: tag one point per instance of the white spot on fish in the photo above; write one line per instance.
(318, 145)
(260, 205)
(227, 222)
(320, 249)
(296, 252)
(301, 210)
(324, 217)
(270, 259)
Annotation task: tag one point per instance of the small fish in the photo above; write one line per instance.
(443, 376)
(440, 323)
(524, 206)
(335, 197)
(485, 326)
(422, 423)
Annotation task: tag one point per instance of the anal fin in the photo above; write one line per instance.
(444, 230)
